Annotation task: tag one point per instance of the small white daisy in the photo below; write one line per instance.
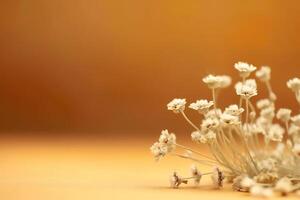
(202, 106)
(177, 105)
(264, 73)
(244, 69)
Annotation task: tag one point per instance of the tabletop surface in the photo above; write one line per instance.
(98, 169)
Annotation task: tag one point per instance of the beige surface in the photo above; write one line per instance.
(93, 170)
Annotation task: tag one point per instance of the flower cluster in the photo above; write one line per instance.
(241, 137)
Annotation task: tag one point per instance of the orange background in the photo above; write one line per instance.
(108, 65)
(105, 70)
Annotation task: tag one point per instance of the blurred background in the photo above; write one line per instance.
(109, 67)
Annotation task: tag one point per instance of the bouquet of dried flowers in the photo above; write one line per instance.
(241, 142)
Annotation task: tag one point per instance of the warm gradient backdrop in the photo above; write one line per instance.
(112, 65)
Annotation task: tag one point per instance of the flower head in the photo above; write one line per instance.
(260, 191)
(196, 174)
(198, 137)
(284, 186)
(275, 133)
(168, 139)
(247, 89)
(209, 124)
(202, 106)
(296, 149)
(234, 110)
(264, 103)
(245, 69)
(228, 119)
(294, 84)
(177, 105)
(217, 177)
(158, 150)
(176, 180)
(225, 81)
(213, 82)
(284, 114)
(296, 120)
(264, 73)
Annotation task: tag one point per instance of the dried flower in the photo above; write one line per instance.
(198, 137)
(268, 113)
(284, 186)
(284, 114)
(296, 120)
(247, 89)
(210, 124)
(264, 103)
(264, 73)
(234, 110)
(212, 81)
(247, 182)
(177, 105)
(260, 191)
(245, 69)
(228, 119)
(275, 132)
(202, 106)
(296, 149)
(254, 167)
(196, 174)
(158, 150)
(217, 178)
(176, 180)
(294, 84)
(168, 139)
(225, 81)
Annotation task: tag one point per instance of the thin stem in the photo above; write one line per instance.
(204, 162)
(197, 152)
(214, 100)
(189, 121)
(247, 114)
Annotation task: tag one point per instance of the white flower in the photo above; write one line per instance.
(158, 150)
(284, 114)
(245, 69)
(294, 84)
(278, 152)
(260, 191)
(294, 130)
(296, 120)
(209, 124)
(247, 89)
(233, 110)
(213, 82)
(264, 73)
(202, 106)
(247, 182)
(198, 137)
(225, 81)
(196, 174)
(217, 178)
(264, 103)
(296, 149)
(177, 105)
(176, 180)
(228, 119)
(268, 113)
(212, 113)
(284, 186)
(275, 133)
(168, 139)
